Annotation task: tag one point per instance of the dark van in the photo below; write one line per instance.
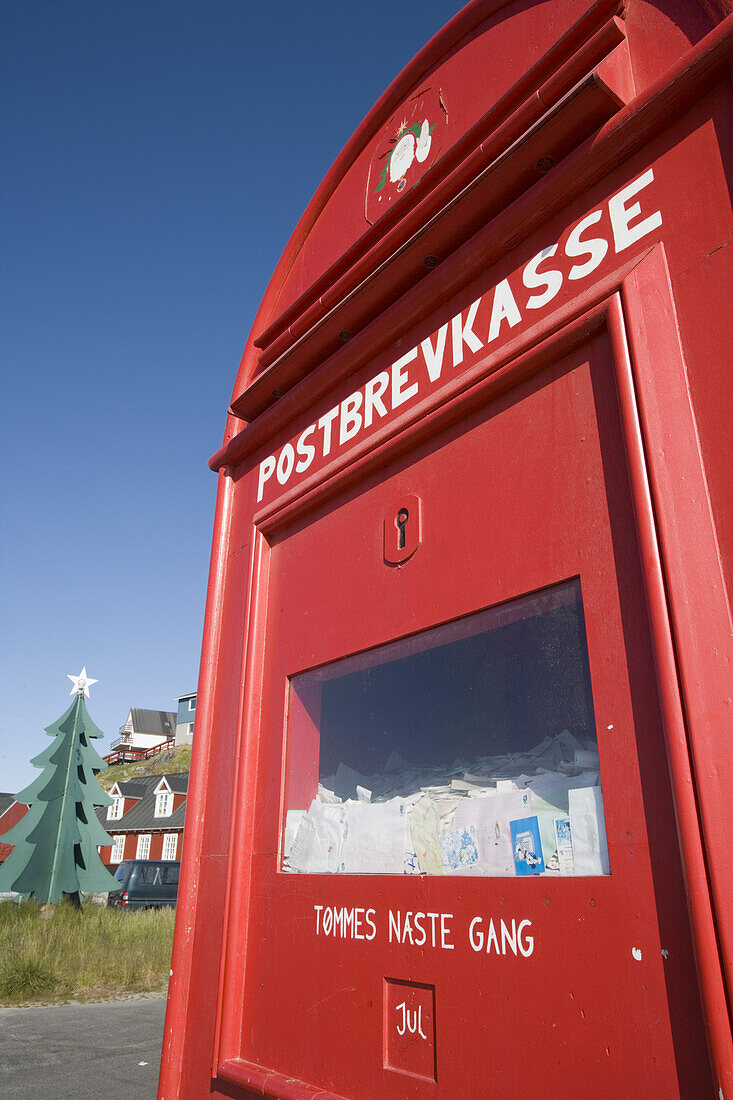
(145, 884)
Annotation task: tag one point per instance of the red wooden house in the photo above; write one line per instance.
(146, 818)
(10, 814)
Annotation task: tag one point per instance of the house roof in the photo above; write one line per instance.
(177, 781)
(162, 723)
(177, 818)
(136, 787)
(141, 817)
(6, 801)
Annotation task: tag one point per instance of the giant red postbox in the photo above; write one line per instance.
(459, 819)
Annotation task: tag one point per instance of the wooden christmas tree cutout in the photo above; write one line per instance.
(57, 842)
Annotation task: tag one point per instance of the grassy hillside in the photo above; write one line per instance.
(177, 759)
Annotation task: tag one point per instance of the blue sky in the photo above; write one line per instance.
(156, 155)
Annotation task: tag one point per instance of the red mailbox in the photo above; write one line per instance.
(459, 821)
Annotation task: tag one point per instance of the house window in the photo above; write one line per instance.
(170, 845)
(192, 703)
(143, 846)
(163, 804)
(118, 849)
(114, 812)
(190, 729)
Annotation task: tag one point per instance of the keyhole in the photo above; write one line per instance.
(402, 517)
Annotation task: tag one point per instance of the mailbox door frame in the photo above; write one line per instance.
(638, 351)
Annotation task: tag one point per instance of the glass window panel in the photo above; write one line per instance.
(468, 749)
(143, 847)
(163, 804)
(114, 812)
(170, 842)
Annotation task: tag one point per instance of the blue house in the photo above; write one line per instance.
(185, 716)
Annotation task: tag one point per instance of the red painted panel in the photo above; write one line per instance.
(570, 505)
(409, 1028)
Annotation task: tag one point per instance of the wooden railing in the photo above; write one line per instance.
(158, 748)
(131, 756)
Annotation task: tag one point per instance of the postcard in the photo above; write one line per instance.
(526, 845)
(564, 845)
(459, 849)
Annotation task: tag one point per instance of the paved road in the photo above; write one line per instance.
(82, 1051)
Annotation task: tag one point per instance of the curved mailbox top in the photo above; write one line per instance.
(481, 117)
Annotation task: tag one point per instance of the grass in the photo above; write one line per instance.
(87, 954)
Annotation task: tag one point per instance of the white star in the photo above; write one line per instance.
(81, 683)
